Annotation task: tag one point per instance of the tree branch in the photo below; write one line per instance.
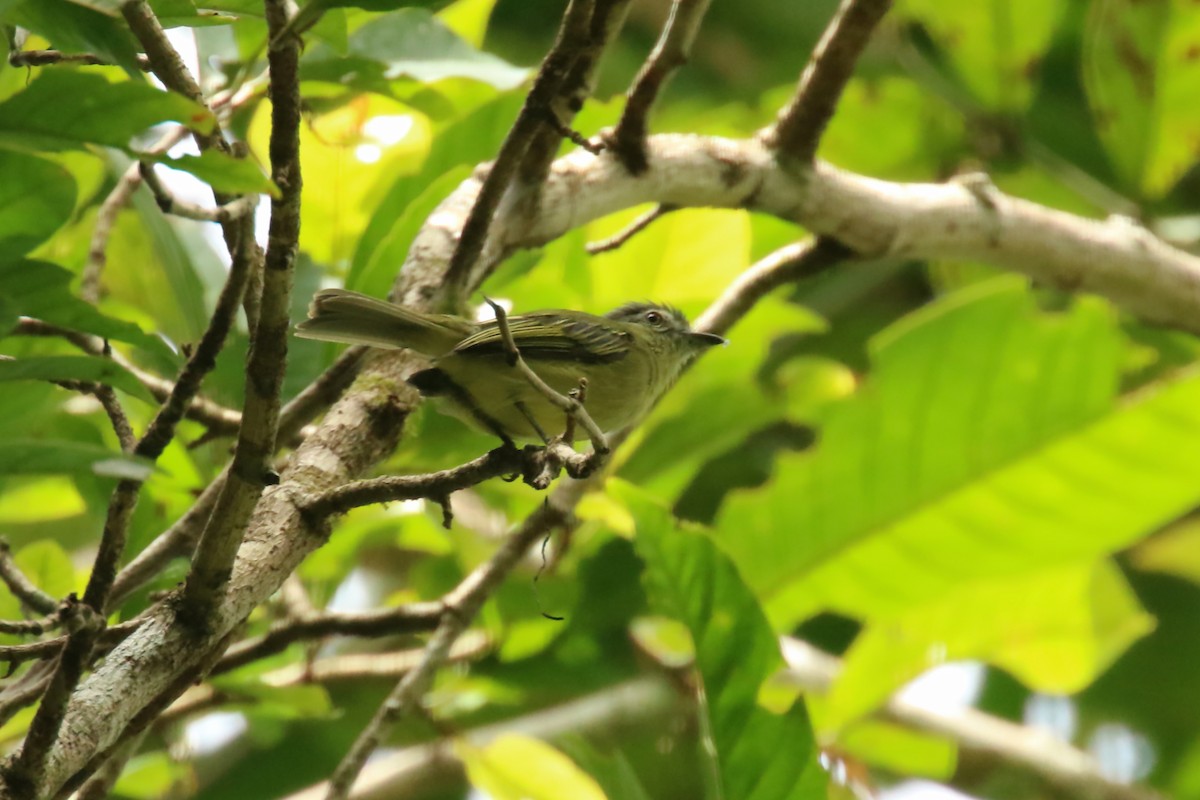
(251, 470)
(461, 606)
(170, 204)
(546, 87)
(798, 130)
(20, 585)
(628, 139)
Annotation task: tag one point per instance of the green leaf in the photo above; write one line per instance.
(994, 45)
(754, 754)
(36, 198)
(1175, 551)
(225, 173)
(79, 368)
(67, 109)
(76, 29)
(517, 767)
(409, 43)
(149, 776)
(1140, 73)
(380, 272)
(39, 457)
(42, 290)
(469, 140)
(966, 453)
(1055, 630)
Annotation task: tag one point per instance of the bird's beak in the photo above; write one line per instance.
(701, 339)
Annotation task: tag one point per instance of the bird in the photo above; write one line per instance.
(628, 357)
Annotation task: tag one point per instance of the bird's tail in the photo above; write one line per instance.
(340, 315)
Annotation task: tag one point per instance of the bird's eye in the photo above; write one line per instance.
(654, 317)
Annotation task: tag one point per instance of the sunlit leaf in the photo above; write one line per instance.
(1054, 630)
(48, 566)
(516, 767)
(995, 46)
(1141, 69)
(938, 470)
(225, 173)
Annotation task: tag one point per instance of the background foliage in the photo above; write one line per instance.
(909, 464)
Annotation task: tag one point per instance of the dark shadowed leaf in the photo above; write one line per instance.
(39, 457)
(756, 755)
(36, 197)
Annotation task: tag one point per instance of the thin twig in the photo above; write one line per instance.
(42, 58)
(340, 499)
(629, 231)
(251, 471)
(628, 139)
(798, 130)
(546, 87)
(90, 287)
(170, 204)
(461, 606)
(788, 264)
(20, 585)
(17, 654)
(410, 618)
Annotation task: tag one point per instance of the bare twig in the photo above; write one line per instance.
(546, 87)
(607, 18)
(461, 606)
(42, 58)
(1051, 760)
(629, 231)
(16, 654)
(20, 585)
(30, 627)
(789, 263)
(265, 366)
(410, 618)
(340, 499)
(798, 130)
(628, 139)
(170, 204)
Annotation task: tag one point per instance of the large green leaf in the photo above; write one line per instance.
(1055, 630)
(937, 470)
(755, 754)
(67, 109)
(36, 197)
(994, 45)
(80, 368)
(225, 173)
(42, 290)
(1140, 72)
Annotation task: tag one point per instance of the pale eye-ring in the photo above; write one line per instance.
(654, 317)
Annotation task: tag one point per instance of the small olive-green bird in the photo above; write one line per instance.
(629, 357)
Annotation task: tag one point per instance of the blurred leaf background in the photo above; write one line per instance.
(913, 465)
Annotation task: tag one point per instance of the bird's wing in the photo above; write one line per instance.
(551, 336)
